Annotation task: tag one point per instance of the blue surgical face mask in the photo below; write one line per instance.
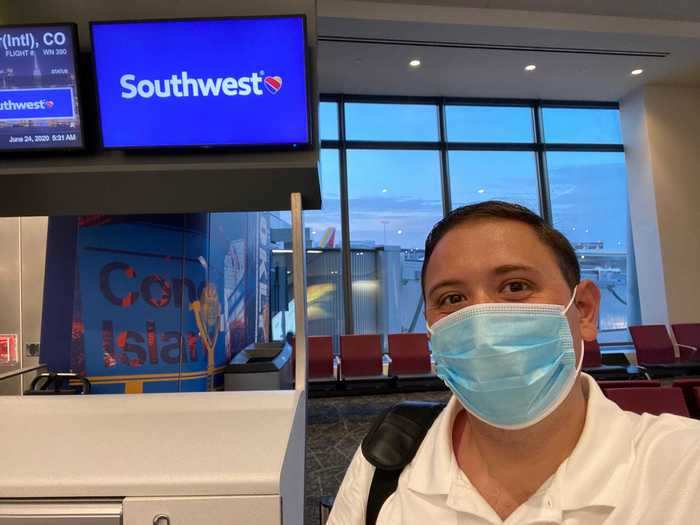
(510, 364)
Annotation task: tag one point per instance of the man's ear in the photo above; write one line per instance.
(588, 305)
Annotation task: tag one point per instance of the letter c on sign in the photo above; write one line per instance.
(51, 39)
(106, 289)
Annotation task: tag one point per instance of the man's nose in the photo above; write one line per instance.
(481, 296)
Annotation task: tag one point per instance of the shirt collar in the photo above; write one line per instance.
(434, 463)
(594, 474)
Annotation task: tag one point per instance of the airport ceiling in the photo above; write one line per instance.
(480, 48)
(583, 50)
(667, 10)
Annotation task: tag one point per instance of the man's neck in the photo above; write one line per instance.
(508, 466)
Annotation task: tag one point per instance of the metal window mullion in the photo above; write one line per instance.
(493, 146)
(392, 145)
(470, 101)
(542, 179)
(444, 161)
(586, 148)
(472, 146)
(345, 221)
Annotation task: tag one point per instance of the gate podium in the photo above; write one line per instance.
(186, 458)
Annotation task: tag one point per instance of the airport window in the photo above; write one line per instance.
(324, 225)
(394, 199)
(391, 122)
(581, 125)
(489, 124)
(477, 176)
(588, 191)
(328, 121)
(323, 259)
(405, 162)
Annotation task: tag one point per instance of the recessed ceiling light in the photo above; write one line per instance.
(531, 67)
(636, 72)
(384, 190)
(399, 232)
(480, 190)
(414, 63)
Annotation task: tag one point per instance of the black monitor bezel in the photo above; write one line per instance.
(199, 148)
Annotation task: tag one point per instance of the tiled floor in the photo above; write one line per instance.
(336, 426)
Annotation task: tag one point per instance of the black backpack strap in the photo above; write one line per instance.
(391, 444)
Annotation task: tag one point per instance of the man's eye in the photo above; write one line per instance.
(453, 298)
(516, 287)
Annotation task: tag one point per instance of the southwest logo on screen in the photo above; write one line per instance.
(183, 85)
(273, 84)
(9, 105)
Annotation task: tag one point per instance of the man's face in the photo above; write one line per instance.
(500, 260)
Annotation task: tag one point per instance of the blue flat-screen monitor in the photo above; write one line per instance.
(39, 104)
(230, 82)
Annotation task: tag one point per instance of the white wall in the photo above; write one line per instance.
(661, 129)
(22, 262)
(642, 208)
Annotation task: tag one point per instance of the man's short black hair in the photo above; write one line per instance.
(563, 251)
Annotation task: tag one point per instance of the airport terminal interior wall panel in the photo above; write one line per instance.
(21, 287)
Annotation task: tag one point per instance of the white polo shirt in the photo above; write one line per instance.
(625, 469)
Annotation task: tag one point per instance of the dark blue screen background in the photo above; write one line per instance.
(205, 49)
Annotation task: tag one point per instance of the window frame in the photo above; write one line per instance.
(539, 147)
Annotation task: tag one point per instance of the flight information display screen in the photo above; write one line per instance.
(202, 83)
(39, 105)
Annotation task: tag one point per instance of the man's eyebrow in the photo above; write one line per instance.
(443, 283)
(508, 268)
(499, 270)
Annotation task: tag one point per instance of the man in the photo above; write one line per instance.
(526, 438)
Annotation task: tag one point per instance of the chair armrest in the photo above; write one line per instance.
(386, 362)
(686, 351)
(337, 362)
(635, 370)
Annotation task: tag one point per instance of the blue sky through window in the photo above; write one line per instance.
(324, 224)
(400, 122)
(581, 125)
(510, 176)
(328, 121)
(394, 196)
(588, 191)
(489, 124)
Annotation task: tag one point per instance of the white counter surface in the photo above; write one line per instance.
(190, 444)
